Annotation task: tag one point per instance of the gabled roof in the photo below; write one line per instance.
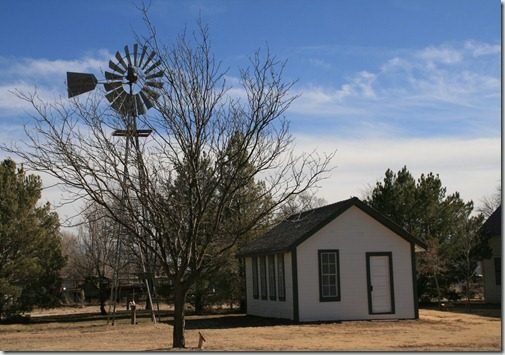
(493, 224)
(298, 227)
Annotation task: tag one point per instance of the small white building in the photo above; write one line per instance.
(343, 261)
(491, 267)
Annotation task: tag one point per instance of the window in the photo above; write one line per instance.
(329, 280)
(281, 286)
(255, 277)
(271, 278)
(497, 270)
(263, 276)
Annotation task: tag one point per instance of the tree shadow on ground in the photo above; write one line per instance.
(483, 309)
(231, 321)
(79, 317)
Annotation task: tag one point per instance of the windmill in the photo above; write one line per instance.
(132, 87)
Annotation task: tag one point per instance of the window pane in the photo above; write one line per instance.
(255, 277)
(328, 274)
(271, 277)
(325, 268)
(332, 269)
(263, 276)
(281, 288)
(331, 258)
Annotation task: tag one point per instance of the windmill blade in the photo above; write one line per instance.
(118, 103)
(135, 53)
(125, 106)
(112, 76)
(79, 83)
(148, 101)
(127, 54)
(115, 67)
(121, 61)
(154, 84)
(155, 75)
(151, 56)
(150, 93)
(155, 65)
(113, 95)
(144, 50)
(130, 105)
(113, 85)
(140, 106)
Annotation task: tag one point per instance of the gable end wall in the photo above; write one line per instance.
(353, 233)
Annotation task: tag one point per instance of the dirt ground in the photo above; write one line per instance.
(434, 331)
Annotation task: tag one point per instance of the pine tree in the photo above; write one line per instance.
(30, 244)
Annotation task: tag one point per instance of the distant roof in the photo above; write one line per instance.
(298, 227)
(493, 224)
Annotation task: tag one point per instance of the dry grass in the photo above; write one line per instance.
(434, 331)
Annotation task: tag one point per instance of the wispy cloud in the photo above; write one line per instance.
(45, 76)
(470, 166)
(446, 83)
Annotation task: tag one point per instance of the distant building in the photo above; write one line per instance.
(338, 262)
(491, 268)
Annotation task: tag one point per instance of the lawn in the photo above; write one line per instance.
(434, 331)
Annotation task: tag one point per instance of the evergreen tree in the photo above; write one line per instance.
(444, 221)
(30, 244)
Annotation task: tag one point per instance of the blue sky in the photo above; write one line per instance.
(385, 83)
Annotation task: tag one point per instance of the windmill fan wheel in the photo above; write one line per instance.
(134, 82)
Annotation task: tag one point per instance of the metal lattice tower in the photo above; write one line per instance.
(132, 87)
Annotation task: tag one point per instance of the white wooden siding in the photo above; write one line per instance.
(353, 233)
(269, 308)
(492, 291)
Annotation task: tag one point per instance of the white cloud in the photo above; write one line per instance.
(11, 104)
(45, 76)
(414, 88)
(479, 48)
(443, 55)
(469, 166)
(36, 68)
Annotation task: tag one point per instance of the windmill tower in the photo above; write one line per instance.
(132, 87)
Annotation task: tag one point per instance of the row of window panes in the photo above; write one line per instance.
(270, 280)
(328, 274)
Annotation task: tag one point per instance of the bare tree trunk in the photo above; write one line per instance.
(102, 294)
(179, 323)
(467, 291)
(438, 290)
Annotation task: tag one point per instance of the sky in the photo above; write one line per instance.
(384, 83)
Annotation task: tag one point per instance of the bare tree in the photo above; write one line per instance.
(180, 182)
(490, 203)
(72, 251)
(96, 237)
(300, 203)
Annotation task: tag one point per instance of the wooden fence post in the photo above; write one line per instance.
(133, 312)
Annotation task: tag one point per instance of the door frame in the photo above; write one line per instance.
(369, 281)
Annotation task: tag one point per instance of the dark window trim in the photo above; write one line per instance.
(281, 281)
(328, 299)
(255, 279)
(263, 278)
(414, 279)
(294, 276)
(272, 281)
(391, 283)
(497, 270)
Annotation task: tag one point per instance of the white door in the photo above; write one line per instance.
(380, 283)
